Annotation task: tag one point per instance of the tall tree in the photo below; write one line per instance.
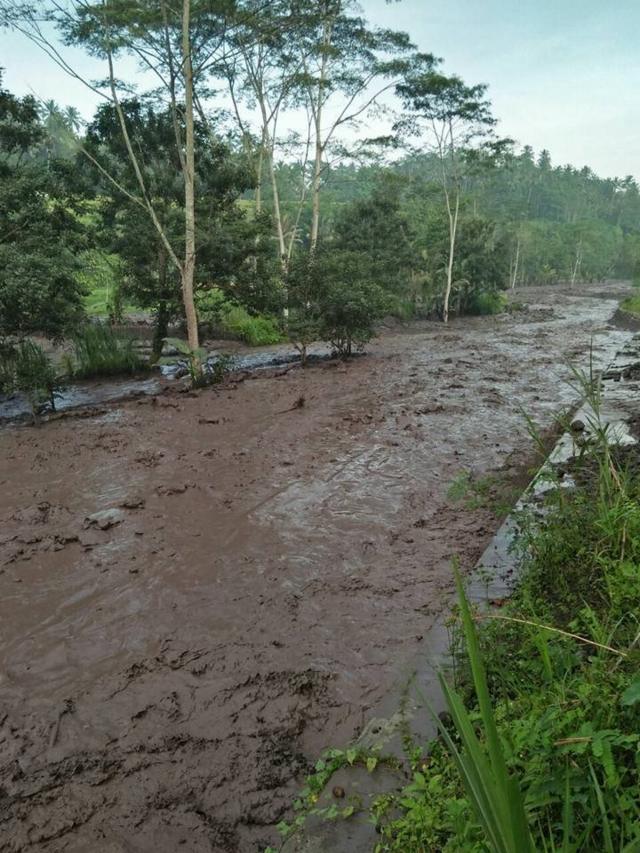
(225, 234)
(178, 44)
(348, 66)
(455, 117)
(262, 63)
(39, 234)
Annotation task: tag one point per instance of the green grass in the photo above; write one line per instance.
(25, 367)
(253, 330)
(632, 304)
(547, 705)
(100, 351)
(101, 277)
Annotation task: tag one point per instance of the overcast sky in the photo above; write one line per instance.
(562, 74)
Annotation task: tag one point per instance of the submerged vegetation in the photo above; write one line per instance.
(25, 367)
(98, 350)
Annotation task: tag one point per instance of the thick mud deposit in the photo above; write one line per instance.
(199, 592)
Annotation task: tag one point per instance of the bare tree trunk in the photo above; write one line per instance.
(189, 184)
(315, 209)
(277, 214)
(514, 277)
(268, 147)
(317, 163)
(453, 229)
(315, 189)
(577, 264)
(263, 145)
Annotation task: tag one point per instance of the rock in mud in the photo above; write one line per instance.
(105, 518)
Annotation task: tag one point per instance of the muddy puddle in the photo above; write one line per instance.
(202, 591)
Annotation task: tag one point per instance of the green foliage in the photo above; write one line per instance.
(491, 788)
(305, 289)
(632, 304)
(211, 303)
(98, 350)
(551, 686)
(350, 312)
(7, 367)
(230, 249)
(39, 235)
(484, 302)
(202, 371)
(195, 359)
(25, 368)
(253, 330)
(480, 265)
(331, 300)
(310, 802)
(101, 276)
(379, 231)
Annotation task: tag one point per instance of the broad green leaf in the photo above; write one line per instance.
(632, 694)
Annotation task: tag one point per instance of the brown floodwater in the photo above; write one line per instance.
(201, 591)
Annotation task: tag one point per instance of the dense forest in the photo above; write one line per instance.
(189, 202)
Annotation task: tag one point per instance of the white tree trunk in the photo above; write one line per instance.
(189, 184)
(577, 264)
(315, 187)
(453, 229)
(514, 277)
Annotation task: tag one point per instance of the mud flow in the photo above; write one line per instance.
(200, 592)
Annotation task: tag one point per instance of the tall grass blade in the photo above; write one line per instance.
(493, 792)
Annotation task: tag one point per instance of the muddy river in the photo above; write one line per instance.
(201, 591)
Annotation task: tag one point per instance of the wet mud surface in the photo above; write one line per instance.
(200, 592)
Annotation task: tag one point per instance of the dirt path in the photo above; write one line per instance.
(253, 577)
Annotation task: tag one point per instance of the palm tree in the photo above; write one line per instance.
(73, 119)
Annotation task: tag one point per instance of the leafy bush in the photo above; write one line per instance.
(201, 371)
(100, 351)
(40, 235)
(328, 295)
(210, 304)
(349, 314)
(487, 302)
(253, 330)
